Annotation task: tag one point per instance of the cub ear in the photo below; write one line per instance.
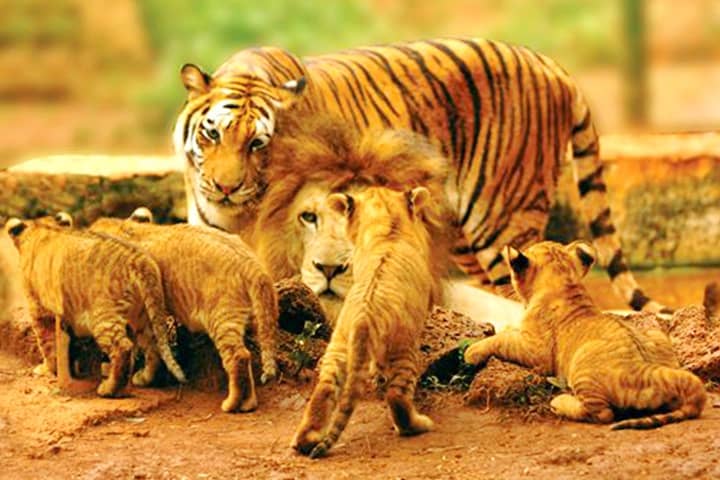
(341, 203)
(14, 227)
(195, 80)
(63, 219)
(290, 92)
(583, 254)
(417, 199)
(141, 215)
(516, 259)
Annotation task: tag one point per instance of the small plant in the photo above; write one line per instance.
(463, 374)
(301, 353)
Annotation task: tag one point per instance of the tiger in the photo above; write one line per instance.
(608, 364)
(396, 282)
(97, 286)
(503, 114)
(214, 284)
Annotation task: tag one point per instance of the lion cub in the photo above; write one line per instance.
(394, 285)
(214, 284)
(608, 363)
(96, 285)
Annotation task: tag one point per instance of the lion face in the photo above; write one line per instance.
(327, 252)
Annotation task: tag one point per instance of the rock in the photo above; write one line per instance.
(696, 341)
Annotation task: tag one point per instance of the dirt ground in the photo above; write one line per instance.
(166, 434)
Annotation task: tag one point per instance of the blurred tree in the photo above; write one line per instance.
(635, 62)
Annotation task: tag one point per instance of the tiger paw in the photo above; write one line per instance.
(141, 379)
(108, 388)
(419, 424)
(42, 370)
(320, 450)
(475, 354)
(269, 373)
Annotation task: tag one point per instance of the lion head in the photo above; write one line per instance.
(296, 231)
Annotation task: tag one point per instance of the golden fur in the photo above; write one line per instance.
(98, 286)
(214, 284)
(324, 155)
(502, 114)
(396, 280)
(609, 365)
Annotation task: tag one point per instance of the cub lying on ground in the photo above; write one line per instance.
(608, 364)
(214, 284)
(395, 282)
(98, 286)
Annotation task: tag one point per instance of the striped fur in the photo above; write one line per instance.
(503, 114)
(98, 286)
(379, 322)
(214, 284)
(609, 365)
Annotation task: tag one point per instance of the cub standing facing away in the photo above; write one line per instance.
(214, 283)
(98, 286)
(608, 363)
(395, 282)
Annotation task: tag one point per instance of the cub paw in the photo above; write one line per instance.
(305, 442)
(320, 450)
(474, 355)
(140, 379)
(420, 424)
(269, 373)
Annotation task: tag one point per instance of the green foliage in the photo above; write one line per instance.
(461, 379)
(207, 33)
(535, 390)
(301, 354)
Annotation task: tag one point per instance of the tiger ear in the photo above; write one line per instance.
(63, 219)
(141, 215)
(195, 80)
(341, 203)
(290, 92)
(14, 227)
(583, 255)
(517, 260)
(417, 199)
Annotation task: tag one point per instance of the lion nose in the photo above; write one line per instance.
(227, 189)
(330, 271)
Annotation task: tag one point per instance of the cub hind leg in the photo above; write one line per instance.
(110, 334)
(316, 418)
(146, 342)
(402, 381)
(227, 332)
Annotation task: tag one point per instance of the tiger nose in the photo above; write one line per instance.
(227, 189)
(330, 271)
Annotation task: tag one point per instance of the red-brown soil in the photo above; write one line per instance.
(166, 435)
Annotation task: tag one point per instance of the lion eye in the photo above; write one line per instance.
(308, 217)
(212, 134)
(258, 143)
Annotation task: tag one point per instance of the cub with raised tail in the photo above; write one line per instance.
(395, 282)
(98, 286)
(216, 285)
(608, 364)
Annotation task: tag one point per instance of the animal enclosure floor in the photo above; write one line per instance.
(158, 434)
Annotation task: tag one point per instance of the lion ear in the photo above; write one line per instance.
(63, 219)
(14, 227)
(290, 92)
(141, 215)
(517, 260)
(417, 199)
(195, 80)
(341, 203)
(583, 255)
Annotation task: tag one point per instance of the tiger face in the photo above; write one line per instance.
(327, 251)
(222, 131)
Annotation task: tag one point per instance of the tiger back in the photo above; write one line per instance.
(99, 287)
(608, 364)
(504, 115)
(215, 285)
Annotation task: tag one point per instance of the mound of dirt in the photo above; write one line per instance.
(696, 339)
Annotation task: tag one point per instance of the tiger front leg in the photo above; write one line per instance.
(510, 345)
(319, 409)
(43, 326)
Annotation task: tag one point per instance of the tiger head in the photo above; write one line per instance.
(548, 266)
(228, 119)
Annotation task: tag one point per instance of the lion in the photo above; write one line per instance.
(214, 284)
(608, 363)
(397, 279)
